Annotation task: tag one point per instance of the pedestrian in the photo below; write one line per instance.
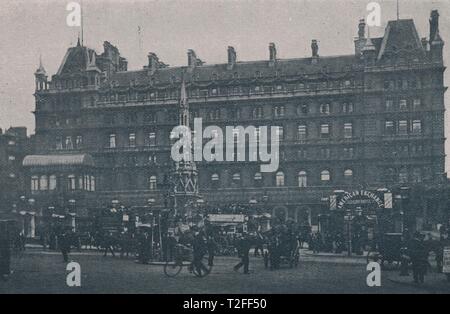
(419, 258)
(171, 246)
(64, 245)
(5, 254)
(243, 248)
(440, 246)
(200, 248)
(259, 244)
(144, 247)
(108, 242)
(212, 248)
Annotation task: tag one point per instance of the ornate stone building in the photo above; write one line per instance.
(368, 120)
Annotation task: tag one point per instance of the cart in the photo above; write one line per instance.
(387, 248)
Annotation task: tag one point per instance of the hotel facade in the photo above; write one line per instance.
(371, 120)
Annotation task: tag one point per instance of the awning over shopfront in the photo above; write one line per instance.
(58, 160)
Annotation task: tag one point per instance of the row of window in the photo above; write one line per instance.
(403, 127)
(87, 182)
(224, 91)
(50, 183)
(236, 113)
(302, 177)
(403, 104)
(401, 83)
(69, 142)
(400, 127)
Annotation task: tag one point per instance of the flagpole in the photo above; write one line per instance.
(82, 24)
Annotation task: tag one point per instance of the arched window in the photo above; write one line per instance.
(325, 176)
(71, 182)
(52, 182)
(214, 177)
(152, 183)
(302, 179)
(279, 179)
(348, 174)
(236, 177)
(43, 183)
(258, 176)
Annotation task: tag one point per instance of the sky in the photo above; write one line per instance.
(30, 28)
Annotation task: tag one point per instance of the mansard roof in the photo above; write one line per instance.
(241, 70)
(76, 60)
(400, 36)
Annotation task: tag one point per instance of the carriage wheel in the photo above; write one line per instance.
(172, 269)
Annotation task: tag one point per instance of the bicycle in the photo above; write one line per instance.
(183, 257)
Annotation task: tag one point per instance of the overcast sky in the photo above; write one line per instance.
(170, 27)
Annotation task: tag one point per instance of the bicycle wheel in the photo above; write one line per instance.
(171, 269)
(202, 271)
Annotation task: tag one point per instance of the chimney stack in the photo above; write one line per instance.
(192, 58)
(314, 48)
(425, 43)
(153, 61)
(272, 53)
(434, 24)
(231, 57)
(362, 29)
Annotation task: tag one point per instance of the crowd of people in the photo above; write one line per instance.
(282, 243)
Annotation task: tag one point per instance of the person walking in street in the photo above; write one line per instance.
(5, 254)
(243, 247)
(200, 248)
(212, 247)
(108, 242)
(259, 244)
(64, 245)
(418, 253)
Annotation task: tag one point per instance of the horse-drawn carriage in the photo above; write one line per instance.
(387, 247)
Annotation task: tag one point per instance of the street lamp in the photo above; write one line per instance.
(114, 204)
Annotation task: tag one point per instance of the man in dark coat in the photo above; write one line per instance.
(200, 248)
(5, 254)
(418, 253)
(64, 245)
(212, 247)
(259, 243)
(243, 247)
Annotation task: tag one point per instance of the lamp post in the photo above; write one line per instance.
(114, 204)
(150, 203)
(72, 213)
(404, 195)
(253, 202)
